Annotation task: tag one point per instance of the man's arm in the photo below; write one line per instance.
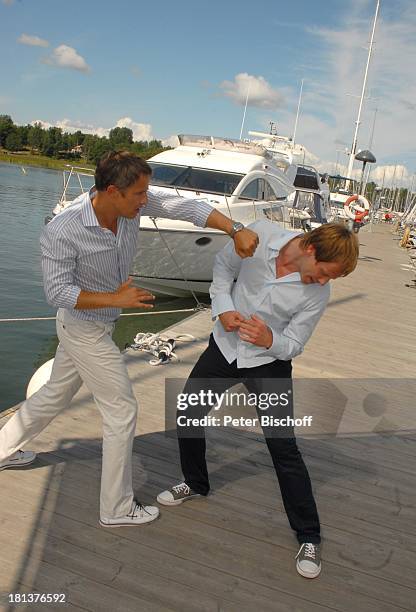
(226, 268)
(201, 214)
(58, 266)
(125, 296)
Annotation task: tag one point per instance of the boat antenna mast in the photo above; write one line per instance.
(297, 114)
(358, 121)
(245, 110)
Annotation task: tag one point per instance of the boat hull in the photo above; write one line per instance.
(172, 262)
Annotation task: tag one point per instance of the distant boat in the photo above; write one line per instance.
(23, 170)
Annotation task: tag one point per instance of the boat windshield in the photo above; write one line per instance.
(343, 185)
(194, 179)
(306, 178)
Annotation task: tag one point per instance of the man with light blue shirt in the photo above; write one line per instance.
(264, 320)
(87, 251)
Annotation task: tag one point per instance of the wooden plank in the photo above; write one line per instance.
(174, 531)
(240, 552)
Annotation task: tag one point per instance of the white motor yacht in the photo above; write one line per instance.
(241, 179)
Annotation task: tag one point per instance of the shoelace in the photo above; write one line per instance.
(137, 507)
(309, 551)
(181, 488)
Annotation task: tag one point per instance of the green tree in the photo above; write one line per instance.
(52, 142)
(121, 137)
(6, 127)
(13, 141)
(35, 136)
(96, 147)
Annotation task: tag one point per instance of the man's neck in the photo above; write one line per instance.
(104, 212)
(287, 262)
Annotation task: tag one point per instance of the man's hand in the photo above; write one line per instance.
(127, 296)
(246, 242)
(255, 331)
(231, 320)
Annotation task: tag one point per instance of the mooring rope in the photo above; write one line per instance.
(124, 314)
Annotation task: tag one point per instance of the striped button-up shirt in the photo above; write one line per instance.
(290, 307)
(78, 254)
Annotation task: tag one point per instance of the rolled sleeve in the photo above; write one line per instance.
(167, 206)
(284, 348)
(226, 268)
(58, 265)
(222, 302)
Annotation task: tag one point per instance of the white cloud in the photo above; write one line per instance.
(391, 175)
(261, 93)
(141, 131)
(73, 126)
(67, 57)
(33, 41)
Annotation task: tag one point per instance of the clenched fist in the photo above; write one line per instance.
(245, 242)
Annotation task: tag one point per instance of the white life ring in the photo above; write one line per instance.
(39, 378)
(363, 206)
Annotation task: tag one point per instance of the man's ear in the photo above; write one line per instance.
(112, 190)
(310, 250)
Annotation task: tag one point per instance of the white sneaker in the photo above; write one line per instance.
(138, 515)
(176, 495)
(19, 459)
(308, 560)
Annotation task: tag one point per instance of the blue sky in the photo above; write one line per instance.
(163, 68)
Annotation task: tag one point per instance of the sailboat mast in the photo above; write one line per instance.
(297, 114)
(245, 110)
(358, 121)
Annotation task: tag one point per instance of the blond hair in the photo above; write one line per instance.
(333, 242)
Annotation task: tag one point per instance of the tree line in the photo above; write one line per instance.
(54, 142)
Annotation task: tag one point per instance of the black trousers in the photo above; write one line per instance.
(212, 371)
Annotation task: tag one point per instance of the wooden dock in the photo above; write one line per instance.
(234, 551)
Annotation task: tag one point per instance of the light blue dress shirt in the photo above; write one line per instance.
(290, 308)
(78, 254)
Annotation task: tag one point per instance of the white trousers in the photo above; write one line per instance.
(86, 353)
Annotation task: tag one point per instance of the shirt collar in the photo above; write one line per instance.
(276, 242)
(88, 215)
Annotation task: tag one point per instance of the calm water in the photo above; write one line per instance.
(25, 200)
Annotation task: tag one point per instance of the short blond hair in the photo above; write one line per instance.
(333, 242)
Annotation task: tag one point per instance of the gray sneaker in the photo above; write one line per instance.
(308, 560)
(19, 459)
(138, 515)
(176, 495)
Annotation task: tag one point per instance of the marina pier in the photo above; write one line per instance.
(234, 550)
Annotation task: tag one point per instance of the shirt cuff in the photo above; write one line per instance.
(222, 302)
(283, 348)
(68, 297)
(201, 213)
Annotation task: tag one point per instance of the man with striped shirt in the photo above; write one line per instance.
(87, 251)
